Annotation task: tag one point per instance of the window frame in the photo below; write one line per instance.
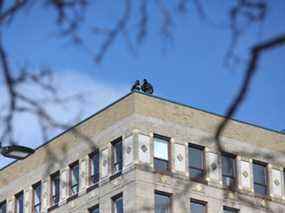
(266, 184)
(201, 202)
(168, 161)
(38, 184)
(17, 196)
(203, 169)
(3, 203)
(93, 208)
(120, 162)
(234, 177)
(234, 210)
(166, 194)
(51, 197)
(90, 175)
(70, 186)
(114, 199)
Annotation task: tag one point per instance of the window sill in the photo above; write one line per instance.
(232, 189)
(263, 197)
(115, 175)
(72, 197)
(199, 180)
(90, 188)
(168, 173)
(53, 207)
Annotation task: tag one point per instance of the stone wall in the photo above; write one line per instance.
(136, 118)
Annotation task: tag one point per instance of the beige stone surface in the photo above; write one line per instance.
(139, 114)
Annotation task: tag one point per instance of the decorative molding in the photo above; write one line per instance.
(214, 166)
(163, 179)
(128, 155)
(180, 157)
(144, 148)
(276, 182)
(199, 188)
(245, 174)
(129, 149)
(276, 188)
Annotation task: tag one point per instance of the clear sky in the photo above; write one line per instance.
(189, 69)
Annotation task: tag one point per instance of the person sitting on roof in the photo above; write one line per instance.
(136, 86)
(147, 87)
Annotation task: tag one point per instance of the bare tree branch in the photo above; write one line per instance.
(143, 22)
(69, 18)
(244, 14)
(12, 10)
(250, 71)
(112, 35)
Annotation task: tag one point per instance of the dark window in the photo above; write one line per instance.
(94, 209)
(229, 170)
(37, 197)
(19, 202)
(74, 178)
(162, 203)
(230, 210)
(198, 206)
(117, 156)
(3, 207)
(260, 178)
(94, 167)
(196, 161)
(55, 188)
(118, 204)
(161, 153)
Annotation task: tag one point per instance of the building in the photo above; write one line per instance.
(146, 154)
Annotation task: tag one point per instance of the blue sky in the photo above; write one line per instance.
(189, 69)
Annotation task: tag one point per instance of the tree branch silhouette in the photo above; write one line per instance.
(251, 69)
(70, 16)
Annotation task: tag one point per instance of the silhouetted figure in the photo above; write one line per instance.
(136, 86)
(147, 87)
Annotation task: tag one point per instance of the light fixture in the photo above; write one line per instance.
(16, 151)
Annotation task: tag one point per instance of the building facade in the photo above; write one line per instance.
(146, 154)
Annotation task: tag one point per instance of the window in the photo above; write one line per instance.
(196, 161)
(260, 178)
(117, 155)
(229, 170)
(19, 202)
(230, 210)
(94, 209)
(162, 202)
(74, 178)
(198, 206)
(94, 167)
(3, 207)
(55, 188)
(161, 153)
(118, 204)
(37, 196)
